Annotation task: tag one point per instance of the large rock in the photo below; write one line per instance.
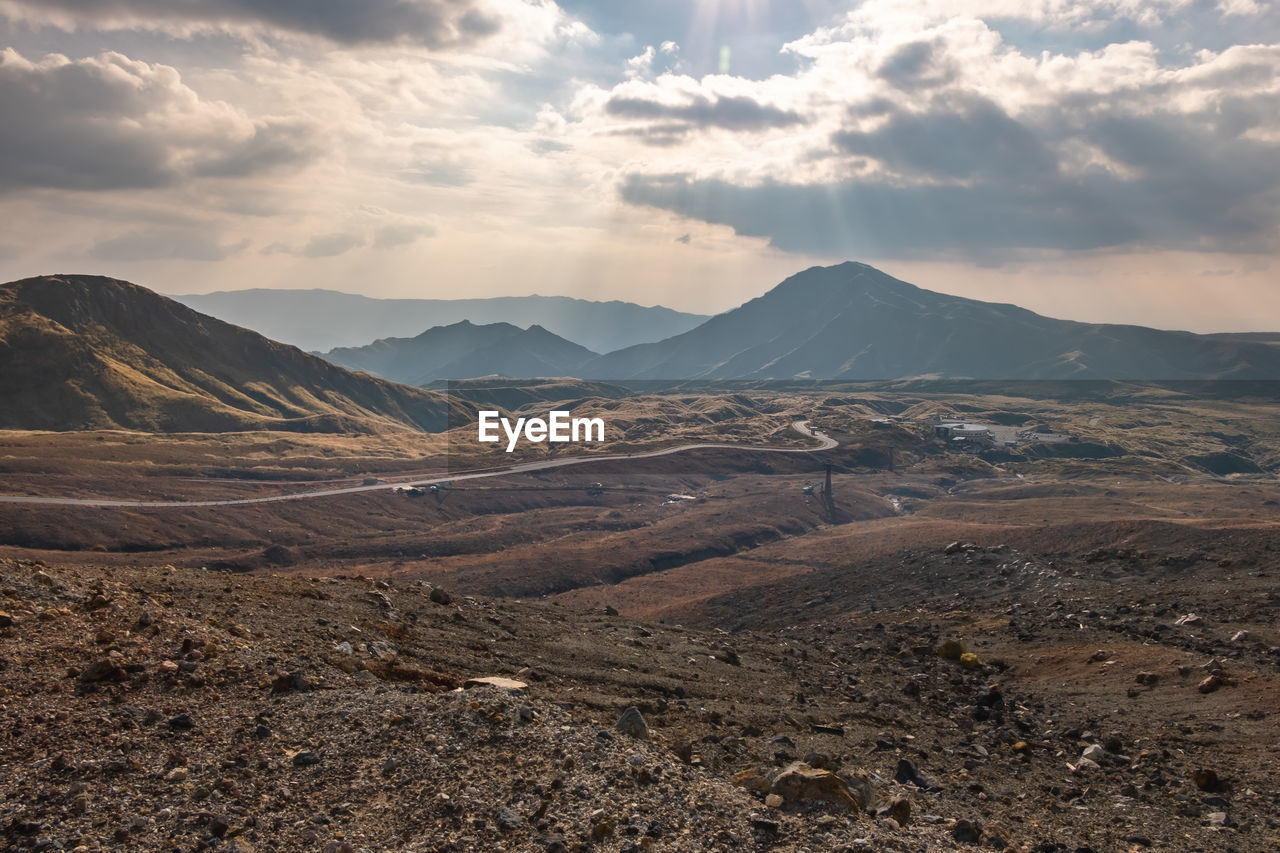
(799, 781)
(101, 670)
(632, 723)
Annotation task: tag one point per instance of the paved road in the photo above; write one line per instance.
(802, 427)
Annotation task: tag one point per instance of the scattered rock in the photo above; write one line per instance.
(1206, 780)
(966, 831)
(898, 808)
(601, 826)
(1210, 683)
(336, 846)
(101, 670)
(290, 683)
(774, 801)
(439, 596)
(182, 723)
(752, 780)
(1189, 620)
(306, 758)
(765, 825)
(6, 620)
(508, 819)
(729, 656)
(799, 781)
(908, 774)
(632, 723)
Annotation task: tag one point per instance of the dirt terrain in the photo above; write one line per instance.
(1117, 593)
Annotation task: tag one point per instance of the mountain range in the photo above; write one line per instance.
(319, 320)
(465, 350)
(854, 322)
(89, 352)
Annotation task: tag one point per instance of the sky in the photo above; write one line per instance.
(1101, 160)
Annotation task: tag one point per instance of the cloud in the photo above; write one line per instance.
(963, 137)
(1001, 189)
(877, 219)
(944, 140)
(439, 173)
(915, 65)
(732, 112)
(110, 122)
(166, 244)
(400, 234)
(430, 23)
(274, 143)
(331, 245)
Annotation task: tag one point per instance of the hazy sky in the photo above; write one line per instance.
(1094, 159)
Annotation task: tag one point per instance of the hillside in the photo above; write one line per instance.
(340, 714)
(852, 321)
(465, 350)
(1267, 338)
(318, 320)
(89, 352)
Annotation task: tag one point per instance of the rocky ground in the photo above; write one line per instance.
(154, 708)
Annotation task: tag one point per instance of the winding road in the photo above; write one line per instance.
(802, 427)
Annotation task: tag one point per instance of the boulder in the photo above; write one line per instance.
(632, 723)
(798, 781)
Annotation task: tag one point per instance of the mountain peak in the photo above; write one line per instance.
(99, 352)
(852, 321)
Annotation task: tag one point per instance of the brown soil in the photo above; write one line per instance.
(1076, 571)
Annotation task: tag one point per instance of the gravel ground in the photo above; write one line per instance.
(154, 708)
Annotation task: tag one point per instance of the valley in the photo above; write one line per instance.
(1100, 583)
(1032, 615)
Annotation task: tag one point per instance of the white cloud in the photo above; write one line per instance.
(111, 122)
(641, 65)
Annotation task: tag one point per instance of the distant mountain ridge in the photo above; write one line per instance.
(854, 322)
(466, 350)
(321, 320)
(90, 352)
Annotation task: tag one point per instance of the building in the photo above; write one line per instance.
(963, 431)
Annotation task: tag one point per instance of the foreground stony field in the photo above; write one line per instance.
(155, 708)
